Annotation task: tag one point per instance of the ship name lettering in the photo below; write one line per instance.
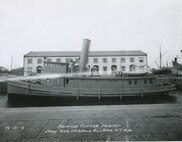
(110, 125)
(67, 126)
(88, 126)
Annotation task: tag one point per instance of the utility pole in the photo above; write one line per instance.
(11, 63)
(181, 56)
(167, 63)
(160, 57)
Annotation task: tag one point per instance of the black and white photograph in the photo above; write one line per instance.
(90, 70)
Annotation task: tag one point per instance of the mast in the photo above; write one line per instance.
(160, 65)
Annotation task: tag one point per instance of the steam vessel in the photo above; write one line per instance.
(84, 85)
(177, 74)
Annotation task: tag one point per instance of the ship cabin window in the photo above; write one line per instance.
(135, 81)
(145, 81)
(150, 81)
(58, 81)
(67, 81)
(129, 81)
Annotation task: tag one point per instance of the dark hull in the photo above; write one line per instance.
(27, 89)
(177, 80)
(163, 71)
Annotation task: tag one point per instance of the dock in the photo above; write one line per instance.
(142, 122)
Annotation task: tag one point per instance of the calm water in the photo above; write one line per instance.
(175, 97)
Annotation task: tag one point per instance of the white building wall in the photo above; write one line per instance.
(34, 65)
(100, 63)
(118, 62)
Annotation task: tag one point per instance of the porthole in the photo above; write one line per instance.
(129, 81)
(135, 81)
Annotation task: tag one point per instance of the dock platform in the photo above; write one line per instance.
(143, 122)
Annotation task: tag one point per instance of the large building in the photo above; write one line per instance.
(101, 61)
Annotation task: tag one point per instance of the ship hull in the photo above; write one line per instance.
(28, 89)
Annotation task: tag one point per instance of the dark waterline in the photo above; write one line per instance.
(22, 101)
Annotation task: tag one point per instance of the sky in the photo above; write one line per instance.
(61, 25)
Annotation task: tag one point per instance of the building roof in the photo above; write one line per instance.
(17, 69)
(91, 53)
(56, 63)
(3, 68)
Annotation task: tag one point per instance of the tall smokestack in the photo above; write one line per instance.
(84, 54)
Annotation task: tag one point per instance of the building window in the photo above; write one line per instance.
(123, 68)
(58, 60)
(123, 60)
(30, 61)
(132, 68)
(29, 69)
(104, 60)
(39, 61)
(67, 60)
(132, 60)
(95, 60)
(113, 60)
(141, 59)
(77, 59)
(113, 68)
(49, 60)
(39, 69)
(104, 68)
